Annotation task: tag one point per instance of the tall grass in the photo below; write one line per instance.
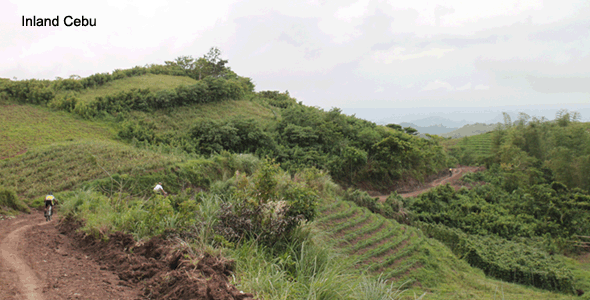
(306, 270)
(10, 203)
(141, 218)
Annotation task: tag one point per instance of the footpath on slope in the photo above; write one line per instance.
(38, 262)
(51, 260)
(441, 180)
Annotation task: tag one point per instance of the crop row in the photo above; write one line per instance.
(413, 244)
(390, 244)
(384, 234)
(506, 260)
(359, 218)
(346, 212)
(401, 269)
(369, 228)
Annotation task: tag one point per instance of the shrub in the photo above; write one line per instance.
(65, 102)
(267, 206)
(362, 198)
(506, 260)
(9, 199)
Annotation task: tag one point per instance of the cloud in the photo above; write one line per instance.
(465, 87)
(481, 87)
(440, 11)
(353, 11)
(560, 85)
(398, 53)
(437, 84)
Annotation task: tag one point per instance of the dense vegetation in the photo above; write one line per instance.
(252, 175)
(355, 151)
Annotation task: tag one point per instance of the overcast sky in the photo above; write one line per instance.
(348, 54)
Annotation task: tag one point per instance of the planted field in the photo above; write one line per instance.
(65, 166)
(24, 127)
(377, 244)
(151, 81)
(174, 120)
(403, 254)
(480, 144)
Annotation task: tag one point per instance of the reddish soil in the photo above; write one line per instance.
(47, 260)
(443, 178)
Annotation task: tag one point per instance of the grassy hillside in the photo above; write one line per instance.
(403, 253)
(178, 120)
(152, 81)
(26, 127)
(470, 130)
(470, 150)
(66, 165)
(211, 134)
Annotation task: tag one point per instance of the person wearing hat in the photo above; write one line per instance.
(159, 188)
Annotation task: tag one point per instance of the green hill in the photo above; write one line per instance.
(470, 130)
(470, 150)
(102, 142)
(154, 82)
(405, 254)
(26, 127)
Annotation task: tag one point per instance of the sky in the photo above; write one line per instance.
(410, 56)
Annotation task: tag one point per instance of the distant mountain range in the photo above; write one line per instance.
(432, 129)
(438, 121)
(453, 132)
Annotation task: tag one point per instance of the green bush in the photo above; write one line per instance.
(65, 102)
(506, 260)
(267, 206)
(142, 218)
(9, 199)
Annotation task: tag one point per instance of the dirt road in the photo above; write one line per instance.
(44, 260)
(453, 180)
(37, 262)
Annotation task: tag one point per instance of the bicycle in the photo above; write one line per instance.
(49, 213)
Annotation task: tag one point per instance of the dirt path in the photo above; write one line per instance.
(37, 262)
(9, 250)
(47, 260)
(453, 180)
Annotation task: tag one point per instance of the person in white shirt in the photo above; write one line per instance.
(159, 188)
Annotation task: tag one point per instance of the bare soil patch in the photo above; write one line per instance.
(48, 267)
(38, 261)
(160, 268)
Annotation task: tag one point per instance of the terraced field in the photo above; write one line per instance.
(404, 255)
(379, 245)
(470, 150)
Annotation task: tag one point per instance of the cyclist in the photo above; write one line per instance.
(49, 201)
(159, 189)
(450, 172)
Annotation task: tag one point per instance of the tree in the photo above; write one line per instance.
(394, 126)
(211, 64)
(411, 131)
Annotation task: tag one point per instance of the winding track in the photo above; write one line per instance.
(457, 173)
(29, 284)
(37, 262)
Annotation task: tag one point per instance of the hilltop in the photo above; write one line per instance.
(280, 187)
